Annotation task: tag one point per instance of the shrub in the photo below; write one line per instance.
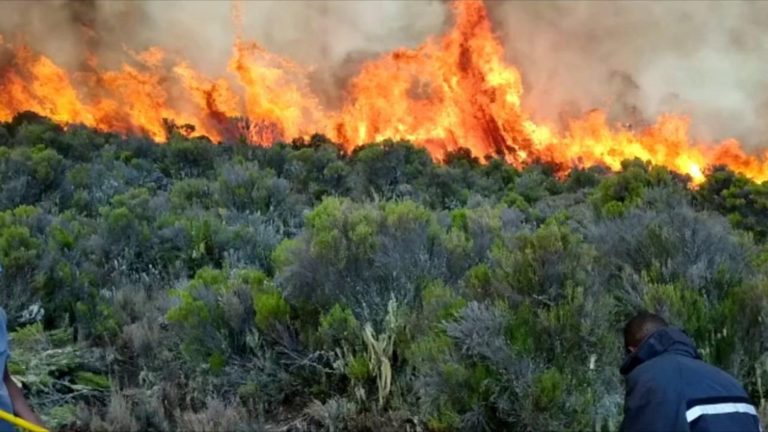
(339, 328)
(270, 308)
(239, 287)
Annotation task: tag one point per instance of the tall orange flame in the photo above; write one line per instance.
(454, 91)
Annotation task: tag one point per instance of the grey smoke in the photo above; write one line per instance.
(635, 59)
(703, 58)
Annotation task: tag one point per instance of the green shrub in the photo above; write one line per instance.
(207, 310)
(338, 328)
(429, 349)
(548, 389)
(244, 287)
(92, 380)
(440, 302)
(18, 249)
(358, 369)
(444, 420)
(270, 308)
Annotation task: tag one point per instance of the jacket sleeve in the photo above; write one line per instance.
(652, 407)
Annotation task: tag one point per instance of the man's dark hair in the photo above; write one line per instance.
(640, 327)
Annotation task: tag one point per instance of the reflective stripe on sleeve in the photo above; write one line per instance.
(719, 408)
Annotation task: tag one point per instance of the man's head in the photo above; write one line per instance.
(640, 327)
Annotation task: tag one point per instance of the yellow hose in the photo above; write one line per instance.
(10, 418)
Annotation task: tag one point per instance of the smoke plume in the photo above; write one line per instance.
(703, 59)
(634, 59)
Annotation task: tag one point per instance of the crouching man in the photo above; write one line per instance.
(669, 387)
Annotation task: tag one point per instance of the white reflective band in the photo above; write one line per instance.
(720, 408)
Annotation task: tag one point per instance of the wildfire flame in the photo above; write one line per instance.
(454, 91)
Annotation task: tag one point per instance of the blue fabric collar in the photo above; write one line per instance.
(666, 340)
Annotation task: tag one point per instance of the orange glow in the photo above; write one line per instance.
(454, 91)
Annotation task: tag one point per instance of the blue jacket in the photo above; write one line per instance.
(5, 399)
(669, 388)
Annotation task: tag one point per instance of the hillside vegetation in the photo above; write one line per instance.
(189, 286)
